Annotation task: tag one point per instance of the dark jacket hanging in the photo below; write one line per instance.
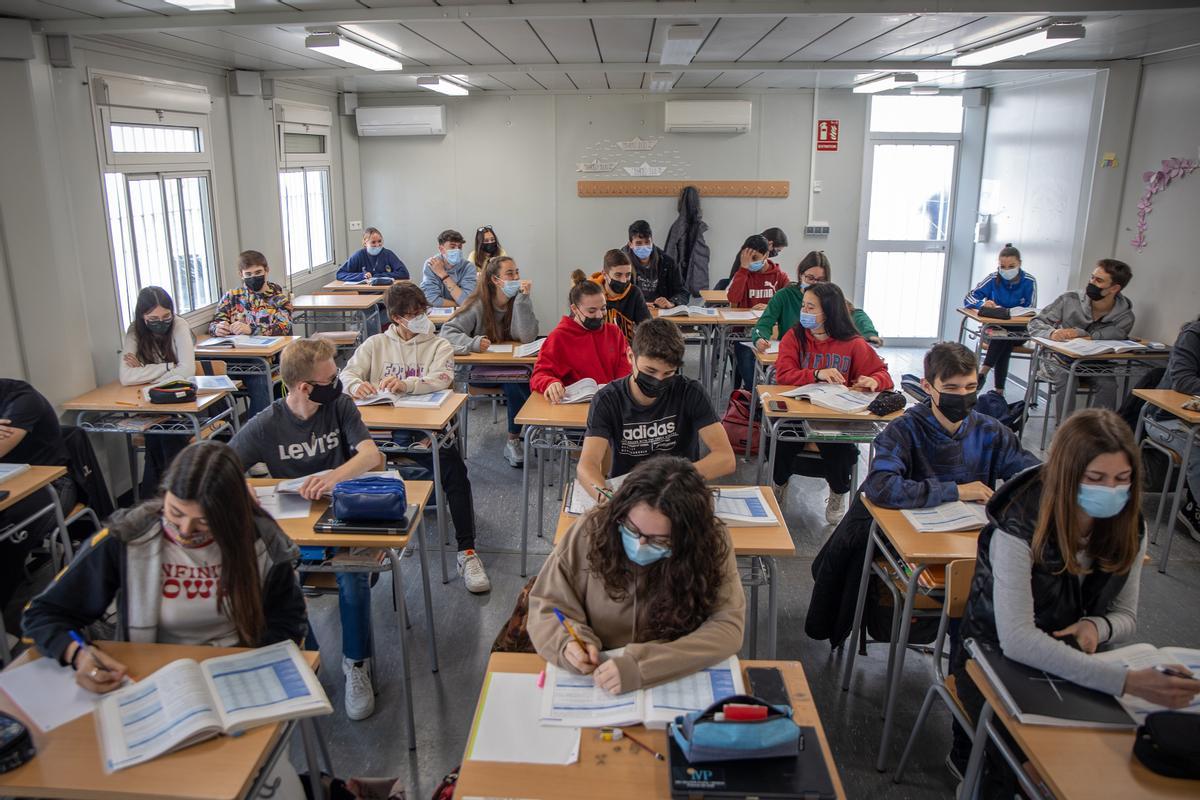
(685, 242)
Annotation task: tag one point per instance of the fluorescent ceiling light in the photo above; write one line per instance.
(890, 81)
(681, 44)
(924, 90)
(661, 81)
(436, 83)
(343, 48)
(204, 5)
(1050, 36)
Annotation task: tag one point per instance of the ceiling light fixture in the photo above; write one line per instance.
(340, 46)
(891, 81)
(924, 91)
(1050, 36)
(437, 83)
(204, 5)
(681, 44)
(662, 81)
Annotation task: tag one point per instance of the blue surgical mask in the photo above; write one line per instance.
(756, 266)
(804, 287)
(510, 288)
(375, 250)
(644, 251)
(1010, 274)
(454, 256)
(808, 320)
(641, 554)
(1102, 502)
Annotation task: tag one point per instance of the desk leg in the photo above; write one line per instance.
(541, 493)
(753, 607)
(719, 360)
(422, 544)
(64, 536)
(308, 737)
(134, 477)
(970, 784)
(772, 605)
(1180, 482)
(530, 432)
(405, 671)
(901, 642)
(856, 627)
(440, 500)
(753, 405)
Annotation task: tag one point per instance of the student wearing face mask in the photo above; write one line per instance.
(825, 347)
(315, 427)
(1062, 558)
(499, 310)
(487, 246)
(410, 358)
(1009, 286)
(158, 346)
(1101, 312)
(626, 303)
(448, 277)
(755, 282)
(776, 241)
(783, 309)
(372, 260)
(935, 452)
(582, 345)
(653, 411)
(654, 272)
(652, 571)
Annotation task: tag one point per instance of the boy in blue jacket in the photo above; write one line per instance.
(1009, 287)
(936, 452)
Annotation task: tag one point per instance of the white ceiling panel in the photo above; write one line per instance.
(733, 36)
(696, 78)
(967, 36)
(627, 80)
(1130, 36)
(852, 33)
(515, 40)
(623, 40)
(731, 80)
(264, 42)
(589, 81)
(518, 80)
(33, 9)
(87, 8)
(792, 34)
(570, 40)
(410, 45)
(206, 53)
(555, 80)
(910, 33)
(459, 39)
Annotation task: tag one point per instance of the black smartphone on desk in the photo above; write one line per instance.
(766, 683)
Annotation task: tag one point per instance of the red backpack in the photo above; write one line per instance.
(736, 422)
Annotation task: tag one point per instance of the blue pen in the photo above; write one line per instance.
(571, 630)
(87, 648)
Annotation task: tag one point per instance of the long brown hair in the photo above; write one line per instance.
(497, 327)
(211, 474)
(683, 588)
(1113, 542)
(153, 348)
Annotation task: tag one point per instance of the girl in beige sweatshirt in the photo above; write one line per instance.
(652, 571)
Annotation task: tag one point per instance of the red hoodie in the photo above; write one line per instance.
(748, 288)
(572, 353)
(851, 357)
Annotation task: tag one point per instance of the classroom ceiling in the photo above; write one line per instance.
(613, 45)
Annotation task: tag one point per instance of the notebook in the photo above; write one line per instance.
(239, 341)
(405, 400)
(1140, 656)
(833, 397)
(689, 311)
(743, 506)
(581, 501)
(12, 470)
(328, 523)
(575, 701)
(748, 315)
(531, 349)
(772, 347)
(801, 777)
(582, 391)
(215, 383)
(1099, 347)
(187, 702)
(441, 312)
(947, 517)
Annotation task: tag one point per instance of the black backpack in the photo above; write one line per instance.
(84, 469)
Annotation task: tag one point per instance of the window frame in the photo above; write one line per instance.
(305, 170)
(110, 115)
(305, 163)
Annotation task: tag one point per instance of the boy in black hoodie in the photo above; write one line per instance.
(654, 272)
(625, 301)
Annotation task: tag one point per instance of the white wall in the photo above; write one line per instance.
(510, 162)
(1037, 168)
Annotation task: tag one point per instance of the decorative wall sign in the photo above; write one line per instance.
(1156, 181)
(638, 143)
(595, 165)
(603, 188)
(645, 171)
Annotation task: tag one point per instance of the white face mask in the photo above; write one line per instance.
(419, 325)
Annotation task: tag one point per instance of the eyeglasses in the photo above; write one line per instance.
(657, 541)
(485, 229)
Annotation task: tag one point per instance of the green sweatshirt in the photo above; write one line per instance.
(864, 324)
(782, 309)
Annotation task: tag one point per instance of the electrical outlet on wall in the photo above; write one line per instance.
(816, 229)
(356, 224)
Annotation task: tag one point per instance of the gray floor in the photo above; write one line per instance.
(467, 624)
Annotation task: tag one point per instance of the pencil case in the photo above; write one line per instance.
(180, 391)
(370, 498)
(702, 737)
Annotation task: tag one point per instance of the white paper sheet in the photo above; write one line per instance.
(500, 348)
(509, 730)
(282, 505)
(47, 693)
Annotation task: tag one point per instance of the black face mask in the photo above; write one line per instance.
(956, 407)
(652, 386)
(323, 393)
(592, 323)
(160, 326)
(1094, 292)
(617, 287)
(491, 248)
(774, 252)
(256, 283)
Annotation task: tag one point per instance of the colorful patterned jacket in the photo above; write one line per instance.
(269, 312)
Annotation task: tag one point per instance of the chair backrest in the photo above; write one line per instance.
(207, 367)
(957, 589)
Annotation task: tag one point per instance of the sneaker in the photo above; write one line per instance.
(835, 507)
(360, 694)
(513, 453)
(470, 567)
(1189, 515)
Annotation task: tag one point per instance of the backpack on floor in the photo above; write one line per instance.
(736, 422)
(513, 637)
(445, 789)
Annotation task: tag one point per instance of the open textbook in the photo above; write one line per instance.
(947, 517)
(581, 391)
(833, 396)
(239, 341)
(1098, 347)
(531, 349)
(575, 701)
(581, 501)
(187, 702)
(747, 314)
(1140, 656)
(689, 311)
(772, 347)
(405, 400)
(743, 506)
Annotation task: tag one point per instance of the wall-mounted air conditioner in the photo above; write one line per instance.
(708, 116)
(400, 120)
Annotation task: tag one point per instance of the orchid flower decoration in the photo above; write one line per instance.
(1156, 181)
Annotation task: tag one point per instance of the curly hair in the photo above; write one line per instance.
(684, 587)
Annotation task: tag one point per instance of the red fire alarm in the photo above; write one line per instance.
(827, 135)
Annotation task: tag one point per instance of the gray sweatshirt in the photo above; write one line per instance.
(465, 329)
(1074, 310)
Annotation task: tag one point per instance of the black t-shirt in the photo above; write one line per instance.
(670, 426)
(26, 409)
(292, 447)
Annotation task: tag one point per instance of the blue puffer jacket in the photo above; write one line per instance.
(1020, 291)
(918, 464)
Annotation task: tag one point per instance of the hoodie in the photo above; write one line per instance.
(918, 464)
(425, 362)
(625, 310)
(748, 288)
(854, 358)
(658, 277)
(572, 353)
(1074, 310)
(123, 564)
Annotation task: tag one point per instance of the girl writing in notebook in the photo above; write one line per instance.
(1059, 567)
(582, 346)
(652, 571)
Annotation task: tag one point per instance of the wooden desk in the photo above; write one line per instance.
(714, 297)
(358, 288)
(544, 427)
(339, 308)
(1014, 322)
(1171, 402)
(302, 533)
(707, 327)
(606, 770)
(31, 480)
(68, 761)
(1083, 763)
(248, 361)
(417, 419)
(491, 358)
(223, 353)
(129, 399)
(912, 555)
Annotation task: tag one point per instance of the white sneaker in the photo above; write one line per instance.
(513, 453)
(835, 507)
(470, 567)
(360, 694)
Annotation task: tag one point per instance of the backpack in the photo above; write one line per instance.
(85, 472)
(736, 422)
